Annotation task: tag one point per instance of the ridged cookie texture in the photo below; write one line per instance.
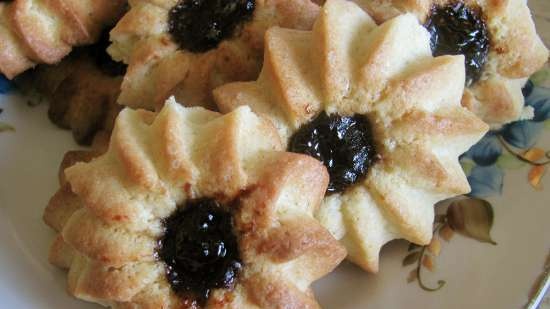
(348, 65)
(109, 212)
(81, 95)
(159, 68)
(40, 31)
(516, 52)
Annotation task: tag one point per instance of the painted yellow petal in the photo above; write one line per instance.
(446, 233)
(435, 247)
(534, 154)
(428, 262)
(535, 176)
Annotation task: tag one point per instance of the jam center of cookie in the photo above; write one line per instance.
(457, 29)
(200, 25)
(344, 144)
(200, 249)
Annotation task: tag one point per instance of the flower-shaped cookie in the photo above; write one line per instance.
(40, 31)
(186, 48)
(381, 113)
(191, 208)
(498, 39)
(81, 90)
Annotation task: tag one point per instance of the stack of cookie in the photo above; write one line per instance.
(262, 141)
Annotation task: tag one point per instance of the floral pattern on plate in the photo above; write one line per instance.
(513, 146)
(468, 216)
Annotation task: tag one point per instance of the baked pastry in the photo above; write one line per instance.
(378, 110)
(81, 90)
(186, 48)
(39, 31)
(192, 209)
(498, 39)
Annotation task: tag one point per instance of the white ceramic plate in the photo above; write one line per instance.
(477, 275)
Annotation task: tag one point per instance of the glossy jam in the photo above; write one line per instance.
(458, 29)
(344, 145)
(200, 249)
(106, 64)
(200, 25)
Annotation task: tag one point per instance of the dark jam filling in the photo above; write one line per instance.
(103, 60)
(459, 30)
(200, 25)
(200, 249)
(344, 145)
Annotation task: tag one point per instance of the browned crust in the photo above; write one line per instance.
(72, 30)
(293, 48)
(61, 207)
(106, 244)
(44, 31)
(12, 54)
(64, 203)
(280, 173)
(158, 69)
(270, 294)
(81, 96)
(61, 254)
(451, 123)
(496, 101)
(40, 44)
(516, 52)
(295, 238)
(412, 100)
(236, 155)
(71, 158)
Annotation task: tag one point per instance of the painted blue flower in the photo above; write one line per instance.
(486, 181)
(485, 177)
(539, 99)
(486, 151)
(527, 88)
(5, 85)
(524, 134)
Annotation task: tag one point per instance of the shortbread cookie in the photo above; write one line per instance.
(186, 48)
(497, 38)
(40, 31)
(381, 113)
(192, 209)
(81, 90)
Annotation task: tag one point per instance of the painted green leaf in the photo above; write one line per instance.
(467, 165)
(473, 218)
(413, 275)
(413, 247)
(411, 258)
(4, 127)
(541, 77)
(509, 162)
(547, 124)
(439, 218)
